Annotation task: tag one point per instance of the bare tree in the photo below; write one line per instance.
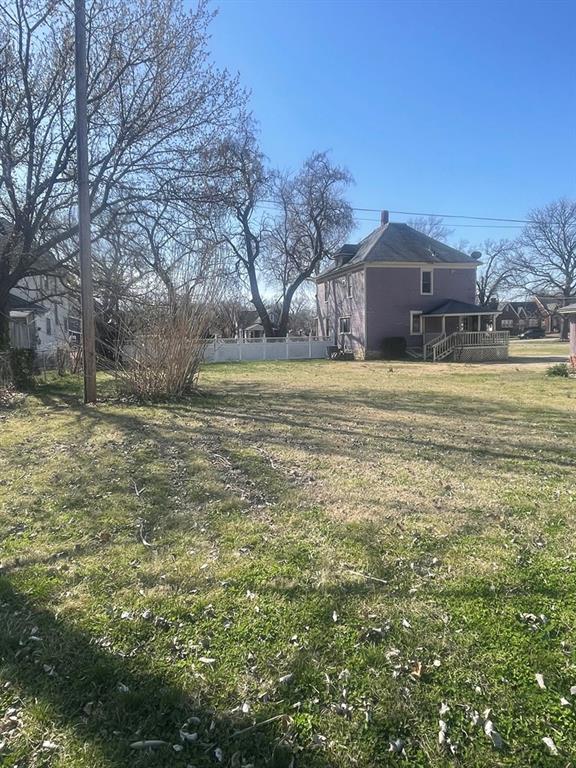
(243, 224)
(155, 107)
(433, 226)
(496, 272)
(546, 261)
(280, 228)
(314, 220)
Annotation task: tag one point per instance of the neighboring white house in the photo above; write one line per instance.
(42, 315)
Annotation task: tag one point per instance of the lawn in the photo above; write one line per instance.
(312, 564)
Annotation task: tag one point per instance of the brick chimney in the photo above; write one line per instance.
(384, 218)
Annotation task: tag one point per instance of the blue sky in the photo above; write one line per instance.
(449, 107)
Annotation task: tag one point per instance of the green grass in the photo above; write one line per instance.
(374, 531)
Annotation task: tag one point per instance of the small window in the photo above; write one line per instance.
(326, 291)
(48, 327)
(348, 286)
(415, 323)
(327, 327)
(507, 323)
(344, 325)
(73, 324)
(426, 282)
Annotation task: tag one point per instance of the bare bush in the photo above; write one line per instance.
(162, 338)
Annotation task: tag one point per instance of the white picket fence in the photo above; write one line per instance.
(242, 350)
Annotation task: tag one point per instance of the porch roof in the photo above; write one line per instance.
(569, 309)
(459, 308)
(17, 303)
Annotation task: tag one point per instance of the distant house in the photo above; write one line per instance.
(43, 316)
(518, 316)
(549, 305)
(398, 282)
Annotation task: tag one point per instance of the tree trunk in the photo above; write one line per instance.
(259, 304)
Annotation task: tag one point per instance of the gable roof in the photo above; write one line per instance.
(395, 242)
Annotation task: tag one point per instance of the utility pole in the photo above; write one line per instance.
(86, 286)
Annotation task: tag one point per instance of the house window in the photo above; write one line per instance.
(415, 323)
(48, 327)
(426, 282)
(326, 291)
(327, 326)
(507, 323)
(348, 286)
(344, 325)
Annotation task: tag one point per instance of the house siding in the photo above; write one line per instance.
(339, 304)
(392, 292)
(58, 310)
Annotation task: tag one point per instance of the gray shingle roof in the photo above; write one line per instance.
(569, 309)
(453, 307)
(401, 243)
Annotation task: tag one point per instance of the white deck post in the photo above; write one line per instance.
(264, 348)
(309, 346)
(287, 349)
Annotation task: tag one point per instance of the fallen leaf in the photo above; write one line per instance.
(148, 744)
(550, 744)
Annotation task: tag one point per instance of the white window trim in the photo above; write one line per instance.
(431, 270)
(413, 313)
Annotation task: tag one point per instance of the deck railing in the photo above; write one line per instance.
(462, 339)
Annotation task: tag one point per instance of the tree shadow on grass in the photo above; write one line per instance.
(110, 701)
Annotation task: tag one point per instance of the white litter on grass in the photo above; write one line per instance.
(206, 660)
(285, 679)
(406, 624)
(564, 702)
(218, 754)
(334, 616)
(551, 746)
(444, 708)
(540, 680)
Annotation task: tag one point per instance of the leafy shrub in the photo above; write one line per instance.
(394, 348)
(22, 367)
(560, 369)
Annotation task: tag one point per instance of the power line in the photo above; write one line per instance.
(444, 215)
(420, 213)
(476, 226)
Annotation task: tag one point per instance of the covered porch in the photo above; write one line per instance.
(463, 331)
(453, 316)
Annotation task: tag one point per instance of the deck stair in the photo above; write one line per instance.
(452, 345)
